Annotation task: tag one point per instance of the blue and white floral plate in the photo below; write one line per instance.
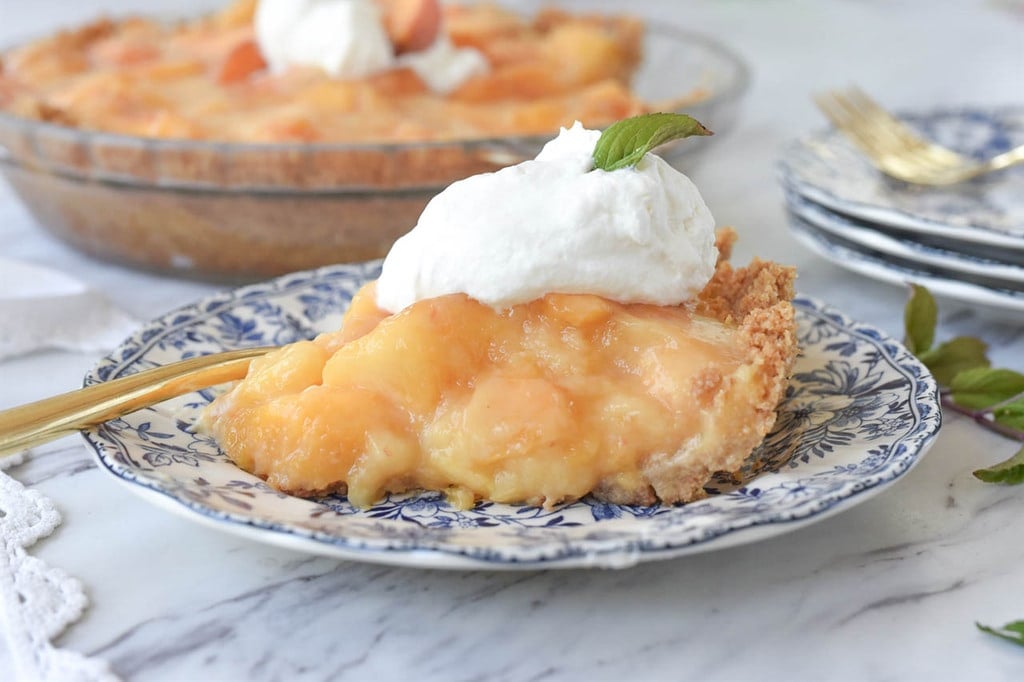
(827, 169)
(988, 270)
(944, 283)
(859, 413)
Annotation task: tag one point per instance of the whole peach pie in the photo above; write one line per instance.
(540, 403)
(206, 78)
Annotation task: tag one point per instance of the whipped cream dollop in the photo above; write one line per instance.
(444, 67)
(557, 225)
(347, 39)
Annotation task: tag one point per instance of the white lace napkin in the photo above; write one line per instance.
(37, 601)
(42, 308)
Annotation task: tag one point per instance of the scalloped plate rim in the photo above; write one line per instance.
(816, 239)
(883, 242)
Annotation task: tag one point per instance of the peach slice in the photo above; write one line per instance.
(242, 61)
(412, 25)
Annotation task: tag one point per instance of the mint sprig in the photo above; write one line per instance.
(984, 387)
(1011, 632)
(919, 319)
(992, 397)
(625, 142)
(1008, 471)
(955, 356)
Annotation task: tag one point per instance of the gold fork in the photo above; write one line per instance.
(42, 421)
(897, 150)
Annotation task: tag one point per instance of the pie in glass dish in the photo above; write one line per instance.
(171, 146)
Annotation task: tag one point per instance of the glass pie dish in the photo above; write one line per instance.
(237, 211)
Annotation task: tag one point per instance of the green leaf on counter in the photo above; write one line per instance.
(1011, 632)
(1011, 414)
(955, 356)
(975, 389)
(919, 319)
(984, 387)
(1010, 472)
(625, 142)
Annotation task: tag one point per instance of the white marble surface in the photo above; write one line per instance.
(887, 591)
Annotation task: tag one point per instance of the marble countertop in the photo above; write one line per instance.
(889, 590)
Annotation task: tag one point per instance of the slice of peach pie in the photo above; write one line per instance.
(541, 401)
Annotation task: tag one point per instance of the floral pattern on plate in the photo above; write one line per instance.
(859, 413)
(827, 169)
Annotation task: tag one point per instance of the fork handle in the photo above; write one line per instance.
(1007, 158)
(42, 421)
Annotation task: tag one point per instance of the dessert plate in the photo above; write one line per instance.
(859, 413)
(1005, 274)
(870, 263)
(827, 169)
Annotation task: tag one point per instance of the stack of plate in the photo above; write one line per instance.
(964, 242)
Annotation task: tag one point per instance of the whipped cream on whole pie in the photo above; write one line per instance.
(348, 39)
(342, 37)
(546, 332)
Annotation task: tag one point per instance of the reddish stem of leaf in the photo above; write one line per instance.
(981, 417)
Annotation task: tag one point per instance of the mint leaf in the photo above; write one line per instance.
(983, 387)
(1011, 414)
(919, 318)
(1011, 632)
(955, 356)
(1010, 472)
(625, 142)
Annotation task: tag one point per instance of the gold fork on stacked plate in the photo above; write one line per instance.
(897, 150)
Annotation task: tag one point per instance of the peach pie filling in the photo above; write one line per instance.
(541, 403)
